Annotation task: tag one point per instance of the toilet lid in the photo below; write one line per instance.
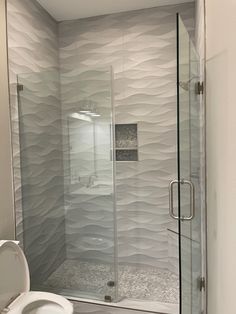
(14, 273)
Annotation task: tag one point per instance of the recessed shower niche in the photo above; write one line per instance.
(99, 133)
(126, 142)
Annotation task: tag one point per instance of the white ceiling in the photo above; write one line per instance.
(74, 9)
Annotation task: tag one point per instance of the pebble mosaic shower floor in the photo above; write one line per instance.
(135, 282)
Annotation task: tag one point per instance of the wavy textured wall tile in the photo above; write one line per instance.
(38, 169)
(141, 48)
(87, 158)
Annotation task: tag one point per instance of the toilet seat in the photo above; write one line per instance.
(15, 295)
(40, 303)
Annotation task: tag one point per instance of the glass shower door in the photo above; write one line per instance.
(88, 181)
(189, 176)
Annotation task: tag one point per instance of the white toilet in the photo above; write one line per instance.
(15, 297)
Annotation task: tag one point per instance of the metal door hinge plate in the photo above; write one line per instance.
(202, 283)
(108, 298)
(199, 87)
(20, 87)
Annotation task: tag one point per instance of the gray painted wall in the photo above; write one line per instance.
(141, 48)
(38, 176)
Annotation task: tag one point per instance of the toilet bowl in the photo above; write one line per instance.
(40, 303)
(15, 294)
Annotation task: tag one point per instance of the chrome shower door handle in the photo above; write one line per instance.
(171, 199)
(192, 200)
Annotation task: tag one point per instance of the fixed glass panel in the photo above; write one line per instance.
(66, 139)
(41, 171)
(189, 158)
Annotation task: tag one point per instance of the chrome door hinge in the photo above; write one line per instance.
(199, 87)
(20, 87)
(202, 283)
(108, 299)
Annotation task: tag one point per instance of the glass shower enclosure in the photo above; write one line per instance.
(69, 162)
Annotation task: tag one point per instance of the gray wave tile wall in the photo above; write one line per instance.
(89, 212)
(38, 175)
(141, 48)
